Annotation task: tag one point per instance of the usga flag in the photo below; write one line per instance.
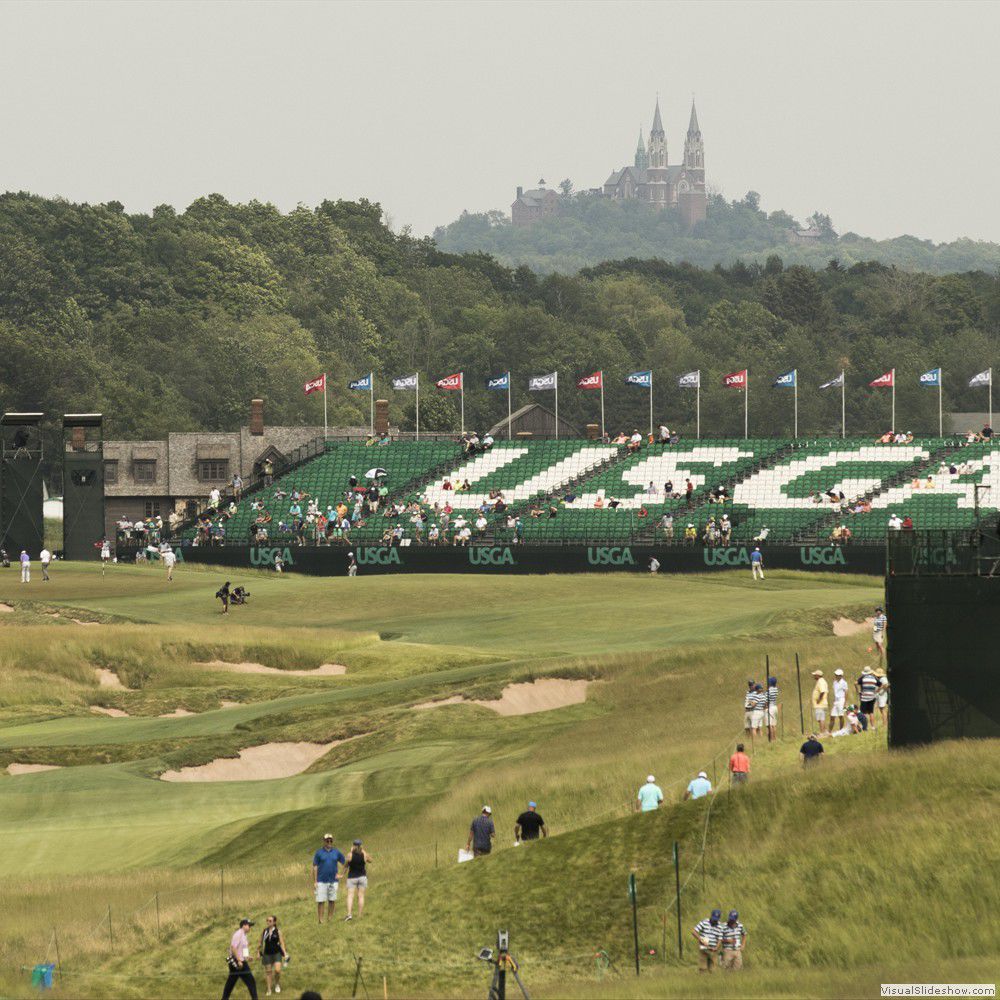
(405, 382)
(316, 385)
(983, 378)
(886, 381)
(834, 383)
(737, 380)
(362, 384)
(539, 382)
(450, 382)
(690, 380)
(785, 381)
(499, 382)
(643, 379)
(595, 381)
(931, 379)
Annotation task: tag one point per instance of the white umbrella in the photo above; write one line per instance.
(375, 473)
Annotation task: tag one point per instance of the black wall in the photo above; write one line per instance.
(83, 504)
(21, 525)
(942, 658)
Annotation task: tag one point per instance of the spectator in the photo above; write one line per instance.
(690, 534)
(667, 524)
(169, 561)
(238, 961)
(650, 796)
(739, 766)
(839, 700)
(698, 787)
(756, 564)
(481, 833)
(772, 708)
(357, 878)
(664, 434)
(820, 699)
(749, 701)
(272, 952)
(879, 623)
(25, 566)
(708, 934)
(529, 825)
(907, 523)
(326, 872)
(237, 484)
(688, 491)
(352, 564)
(654, 565)
(634, 442)
(759, 704)
(867, 686)
(895, 523)
(45, 557)
(882, 696)
(214, 498)
(734, 940)
(810, 751)
(223, 595)
(761, 535)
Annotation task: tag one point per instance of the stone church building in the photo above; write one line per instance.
(651, 179)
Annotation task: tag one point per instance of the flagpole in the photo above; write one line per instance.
(461, 386)
(697, 408)
(650, 402)
(894, 399)
(795, 386)
(510, 429)
(940, 406)
(557, 405)
(371, 386)
(843, 405)
(991, 397)
(418, 406)
(746, 408)
(602, 405)
(324, 409)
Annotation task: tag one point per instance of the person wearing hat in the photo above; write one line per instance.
(325, 871)
(358, 860)
(820, 699)
(809, 752)
(757, 563)
(879, 623)
(839, 700)
(650, 796)
(690, 534)
(238, 962)
(708, 934)
(867, 686)
(772, 708)
(352, 564)
(749, 700)
(481, 833)
(734, 940)
(529, 825)
(882, 695)
(698, 787)
(759, 704)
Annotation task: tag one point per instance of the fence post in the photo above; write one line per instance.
(111, 932)
(677, 891)
(635, 919)
(55, 938)
(357, 976)
(798, 677)
(767, 693)
(222, 887)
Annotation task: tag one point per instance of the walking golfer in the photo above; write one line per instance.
(739, 766)
(529, 825)
(649, 796)
(481, 833)
(708, 934)
(238, 961)
(45, 557)
(757, 563)
(25, 567)
(839, 710)
(352, 564)
(272, 953)
(325, 870)
(734, 940)
(358, 860)
(878, 631)
(169, 562)
(820, 699)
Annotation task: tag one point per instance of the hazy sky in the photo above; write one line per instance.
(883, 115)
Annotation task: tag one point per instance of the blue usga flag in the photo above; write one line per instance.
(931, 379)
(642, 379)
(499, 382)
(786, 381)
(362, 384)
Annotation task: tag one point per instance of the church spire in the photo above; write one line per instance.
(641, 159)
(657, 122)
(641, 148)
(693, 124)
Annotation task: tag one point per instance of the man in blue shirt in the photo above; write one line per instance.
(325, 869)
(756, 564)
(649, 796)
(699, 787)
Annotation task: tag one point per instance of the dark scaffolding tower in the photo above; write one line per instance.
(21, 522)
(83, 485)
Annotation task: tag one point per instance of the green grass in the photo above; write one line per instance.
(854, 842)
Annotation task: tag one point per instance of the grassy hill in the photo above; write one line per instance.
(820, 864)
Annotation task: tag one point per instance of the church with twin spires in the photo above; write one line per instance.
(651, 179)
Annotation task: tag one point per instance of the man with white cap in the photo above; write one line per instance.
(820, 699)
(699, 787)
(649, 796)
(839, 709)
(481, 833)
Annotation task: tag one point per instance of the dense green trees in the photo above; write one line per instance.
(175, 320)
(590, 229)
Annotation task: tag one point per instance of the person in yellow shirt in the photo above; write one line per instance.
(820, 700)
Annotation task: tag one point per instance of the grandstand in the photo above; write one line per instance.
(579, 492)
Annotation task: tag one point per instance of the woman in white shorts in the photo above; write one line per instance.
(882, 695)
(357, 878)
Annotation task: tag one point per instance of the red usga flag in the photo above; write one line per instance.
(737, 380)
(450, 382)
(885, 381)
(595, 381)
(316, 385)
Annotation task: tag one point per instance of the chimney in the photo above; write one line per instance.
(520, 190)
(257, 417)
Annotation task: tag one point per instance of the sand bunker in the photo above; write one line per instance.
(115, 713)
(77, 621)
(5, 609)
(230, 704)
(325, 670)
(177, 713)
(109, 679)
(844, 626)
(526, 699)
(30, 768)
(272, 760)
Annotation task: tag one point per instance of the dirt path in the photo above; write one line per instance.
(542, 695)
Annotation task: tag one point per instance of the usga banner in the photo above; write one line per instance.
(450, 382)
(595, 381)
(315, 385)
(737, 380)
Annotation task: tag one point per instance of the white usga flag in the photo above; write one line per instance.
(692, 380)
(983, 378)
(834, 383)
(537, 383)
(405, 382)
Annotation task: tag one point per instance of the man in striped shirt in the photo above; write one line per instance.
(708, 934)
(749, 701)
(867, 685)
(878, 631)
(759, 704)
(772, 709)
(734, 940)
